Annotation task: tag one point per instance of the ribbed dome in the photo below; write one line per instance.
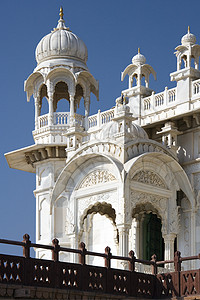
(111, 129)
(61, 43)
(188, 39)
(139, 58)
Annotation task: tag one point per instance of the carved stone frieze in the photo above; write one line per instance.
(149, 177)
(96, 177)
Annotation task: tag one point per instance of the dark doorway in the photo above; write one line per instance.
(153, 242)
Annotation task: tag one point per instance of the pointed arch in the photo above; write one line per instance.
(76, 165)
(174, 173)
(94, 85)
(33, 83)
(64, 75)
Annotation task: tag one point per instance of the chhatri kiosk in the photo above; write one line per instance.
(128, 177)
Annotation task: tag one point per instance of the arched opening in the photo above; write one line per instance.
(192, 63)
(143, 82)
(78, 101)
(146, 232)
(43, 102)
(99, 231)
(61, 93)
(152, 242)
(183, 62)
(135, 80)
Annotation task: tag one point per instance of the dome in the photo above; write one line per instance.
(139, 58)
(61, 43)
(189, 38)
(111, 129)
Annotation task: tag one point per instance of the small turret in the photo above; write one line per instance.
(187, 66)
(61, 73)
(137, 70)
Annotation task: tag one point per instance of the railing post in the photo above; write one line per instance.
(153, 99)
(177, 261)
(177, 267)
(154, 266)
(55, 251)
(82, 254)
(99, 118)
(132, 261)
(27, 245)
(108, 257)
(166, 94)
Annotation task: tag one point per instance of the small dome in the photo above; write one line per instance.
(111, 129)
(61, 43)
(139, 58)
(188, 39)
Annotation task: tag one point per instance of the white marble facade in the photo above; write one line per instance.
(98, 176)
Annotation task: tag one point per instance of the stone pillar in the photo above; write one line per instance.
(130, 82)
(72, 114)
(87, 106)
(123, 239)
(139, 79)
(50, 95)
(87, 111)
(169, 245)
(37, 112)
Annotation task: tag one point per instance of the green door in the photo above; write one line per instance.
(152, 237)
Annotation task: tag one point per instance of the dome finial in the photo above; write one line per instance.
(188, 29)
(138, 50)
(61, 14)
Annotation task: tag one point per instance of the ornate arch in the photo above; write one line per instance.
(156, 204)
(76, 165)
(170, 170)
(64, 75)
(33, 83)
(104, 209)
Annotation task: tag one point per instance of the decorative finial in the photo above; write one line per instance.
(138, 50)
(61, 13)
(188, 29)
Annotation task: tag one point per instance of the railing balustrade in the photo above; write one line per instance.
(29, 271)
(196, 87)
(159, 101)
(61, 118)
(172, 95)
(101, 118)
(43, 120)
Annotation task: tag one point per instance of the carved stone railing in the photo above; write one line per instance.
(98, 120)
(196, 87)
(43, 120)
(27, 271)
(159, 101)
(61, 118)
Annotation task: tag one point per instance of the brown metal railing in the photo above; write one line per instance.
(55, 274)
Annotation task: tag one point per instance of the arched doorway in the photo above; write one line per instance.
(99, 231)
(152, 240)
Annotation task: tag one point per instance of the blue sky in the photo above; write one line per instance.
(112, 30)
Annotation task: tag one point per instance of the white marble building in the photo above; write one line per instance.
(128, 177)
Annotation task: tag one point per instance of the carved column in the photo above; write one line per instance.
(169, 245)
(72, 109)
(50, 95)
(87, 110)
(37, 111)
(130, 82)
(123, 239)
(87, 106)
